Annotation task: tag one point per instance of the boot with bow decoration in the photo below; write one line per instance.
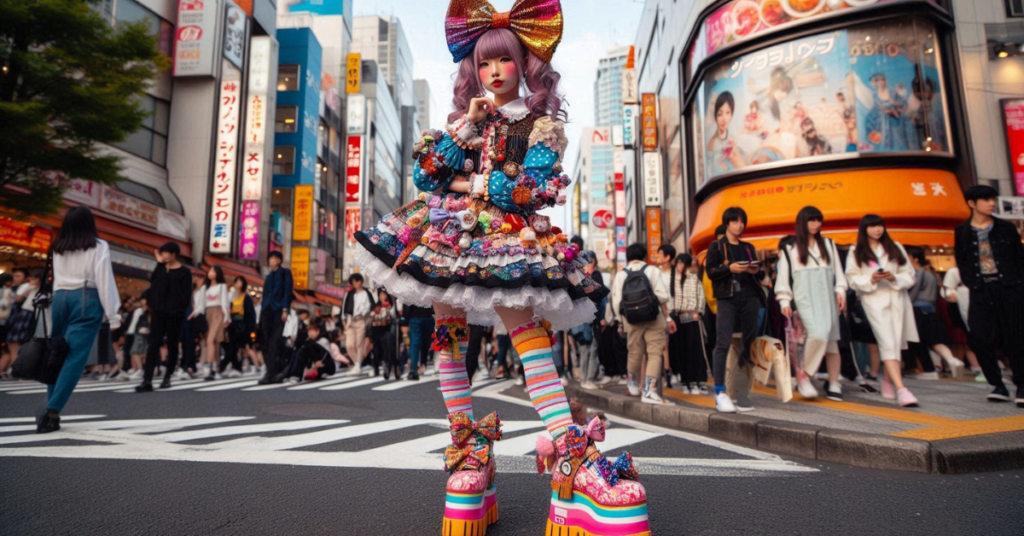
(471, 504)
(590, 495)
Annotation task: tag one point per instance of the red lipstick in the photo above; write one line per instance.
(497, 83)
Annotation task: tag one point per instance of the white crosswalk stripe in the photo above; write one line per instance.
(394, 386)
(161, 439)
(229, 386)
(352, 385)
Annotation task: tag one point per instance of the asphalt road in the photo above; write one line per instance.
(362, 457)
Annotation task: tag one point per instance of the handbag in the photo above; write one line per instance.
(42, 358)
(770, 358)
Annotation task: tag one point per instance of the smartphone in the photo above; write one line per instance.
(754, 263)
(881, 269)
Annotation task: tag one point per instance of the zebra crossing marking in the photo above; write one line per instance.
(228, 386)
(352, 385)
(402, 384)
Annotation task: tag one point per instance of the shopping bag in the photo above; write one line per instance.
(783, 379)
(769, 358)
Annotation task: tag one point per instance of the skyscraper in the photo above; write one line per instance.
(608, 87)
(382, 40)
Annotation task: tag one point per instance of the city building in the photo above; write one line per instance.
(423, 98)
(382, 40)
(596, 196)
(853, 107)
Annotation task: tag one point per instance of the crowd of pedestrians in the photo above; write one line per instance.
(869, 314)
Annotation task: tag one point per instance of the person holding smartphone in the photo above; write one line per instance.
(735, 277)
(881, 274)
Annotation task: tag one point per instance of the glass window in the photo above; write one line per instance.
(284, 160)
(142, 192)
(871, 89)
(130, 11)
(150, 140)
(288, 78)
(286, 119)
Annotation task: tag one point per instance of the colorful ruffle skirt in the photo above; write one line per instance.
(472, 255)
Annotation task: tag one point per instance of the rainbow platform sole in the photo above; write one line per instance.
(469, 514)
(582, 516)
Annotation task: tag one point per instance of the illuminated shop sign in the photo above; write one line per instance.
(741, 20)
(867, 90)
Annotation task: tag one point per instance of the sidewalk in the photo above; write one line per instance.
(954, 431)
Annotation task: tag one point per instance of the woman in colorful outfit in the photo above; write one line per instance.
(473, 246)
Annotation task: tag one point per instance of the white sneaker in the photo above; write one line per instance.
(520, 380)
(956, 367)
(355, 370)
(293, 380)
(654, 398)
(806, 389)
(234, 373)
(926, 376)
(634, 389)
(605, 380)
(565, 381)
(821, 376)
(723, 404)
(589, 386)
(181, 375)
(136, 375)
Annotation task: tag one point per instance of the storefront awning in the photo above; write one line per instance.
(234, 269)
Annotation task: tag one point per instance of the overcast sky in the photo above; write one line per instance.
(591, 27)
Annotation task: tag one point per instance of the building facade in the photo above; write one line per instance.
(853, 107)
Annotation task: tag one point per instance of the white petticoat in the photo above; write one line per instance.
(555, 306)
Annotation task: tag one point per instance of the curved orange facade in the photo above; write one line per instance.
(920, 206)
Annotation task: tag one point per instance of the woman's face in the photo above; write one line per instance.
(238, 285)
(813, 227)
(875, 232)
(499, 75)
(680, 267)
(212, 274)
(723, 117)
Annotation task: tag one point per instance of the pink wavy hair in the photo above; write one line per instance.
(540, 78)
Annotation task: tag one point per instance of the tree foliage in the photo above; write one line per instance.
(69, 81)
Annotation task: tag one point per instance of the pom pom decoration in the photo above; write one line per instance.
(521, 195)
(545, 454)
(485, 219)
(561, 200)
(506, 228)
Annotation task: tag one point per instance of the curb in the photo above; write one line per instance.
(994, 452)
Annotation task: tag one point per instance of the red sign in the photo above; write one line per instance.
(620, 200)
(353, 168)
(1013, 120)
(649, 121)
(602, 218)
(653, 231)
(16, 233)
(352, 224)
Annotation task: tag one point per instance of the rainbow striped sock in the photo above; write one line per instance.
(533, 342)
(454, 381)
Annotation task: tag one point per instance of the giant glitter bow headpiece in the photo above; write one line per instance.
(537, 24)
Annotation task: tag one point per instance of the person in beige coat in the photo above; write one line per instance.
(879, 271)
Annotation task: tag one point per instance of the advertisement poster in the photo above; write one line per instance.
(352, 224)
(649, 122)
(353, 168)
(865, 90)
(249, 243)
(300, 267)
(1013, 120)
(195, 39)
(225, 161)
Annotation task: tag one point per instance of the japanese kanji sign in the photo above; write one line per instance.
(650, 121)
(302, 227)
(225, 163)
(249, 239)
(652, 179)
(255, 160)
(353, 168)
(195, 38)
(653, 231)
(353, 73)
(300, 267)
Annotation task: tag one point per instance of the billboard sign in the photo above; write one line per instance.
(225, 165)
(195, 38)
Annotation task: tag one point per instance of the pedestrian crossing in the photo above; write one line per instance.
(247, 383)
(308, 442)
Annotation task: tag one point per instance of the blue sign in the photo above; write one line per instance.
(318, 7)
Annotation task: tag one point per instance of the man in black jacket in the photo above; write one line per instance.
(169, 295)
(990, 257)
(277, 301)
(735, 279)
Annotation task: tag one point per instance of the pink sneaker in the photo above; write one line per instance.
(906, 398)
(471, 503)
(887, 391)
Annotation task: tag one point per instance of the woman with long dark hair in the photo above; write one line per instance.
(811, 278)
(685, 346)
(242, 328)
(880, 273)
(218, 316)
(84, 295)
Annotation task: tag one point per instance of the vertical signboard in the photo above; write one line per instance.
(630, 124)
(630, 82)
(649, 122)
(302, 230)
(235, 23)
(621, 235)
(1013, 121)
(353, 73)
(352, 224)
(653, 231)
(652, 179)
(356, 114)
(225, 160)
(300, 267)
(195, 40)
(262, 58)
(353, 168)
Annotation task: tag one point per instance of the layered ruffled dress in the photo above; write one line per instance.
(487, 248)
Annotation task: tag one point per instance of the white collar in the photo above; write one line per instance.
(515, 110)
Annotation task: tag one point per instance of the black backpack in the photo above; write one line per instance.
(639, 304)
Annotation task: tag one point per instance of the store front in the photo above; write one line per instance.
(851, 106)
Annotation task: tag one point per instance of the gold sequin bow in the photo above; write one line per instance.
(462, 454)
(537, 24)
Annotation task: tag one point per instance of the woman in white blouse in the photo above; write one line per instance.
(811, 278)
(879, 271)
(84, 295)
(217, 306)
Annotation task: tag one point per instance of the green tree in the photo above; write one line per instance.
(69, 81)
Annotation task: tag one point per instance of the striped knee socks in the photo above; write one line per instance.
(454, 380)
(533, 343)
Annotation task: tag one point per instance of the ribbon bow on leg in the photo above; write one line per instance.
(464, 455)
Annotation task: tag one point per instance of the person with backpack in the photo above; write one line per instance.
(735, 273)
(812, 282)
(640, 295)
